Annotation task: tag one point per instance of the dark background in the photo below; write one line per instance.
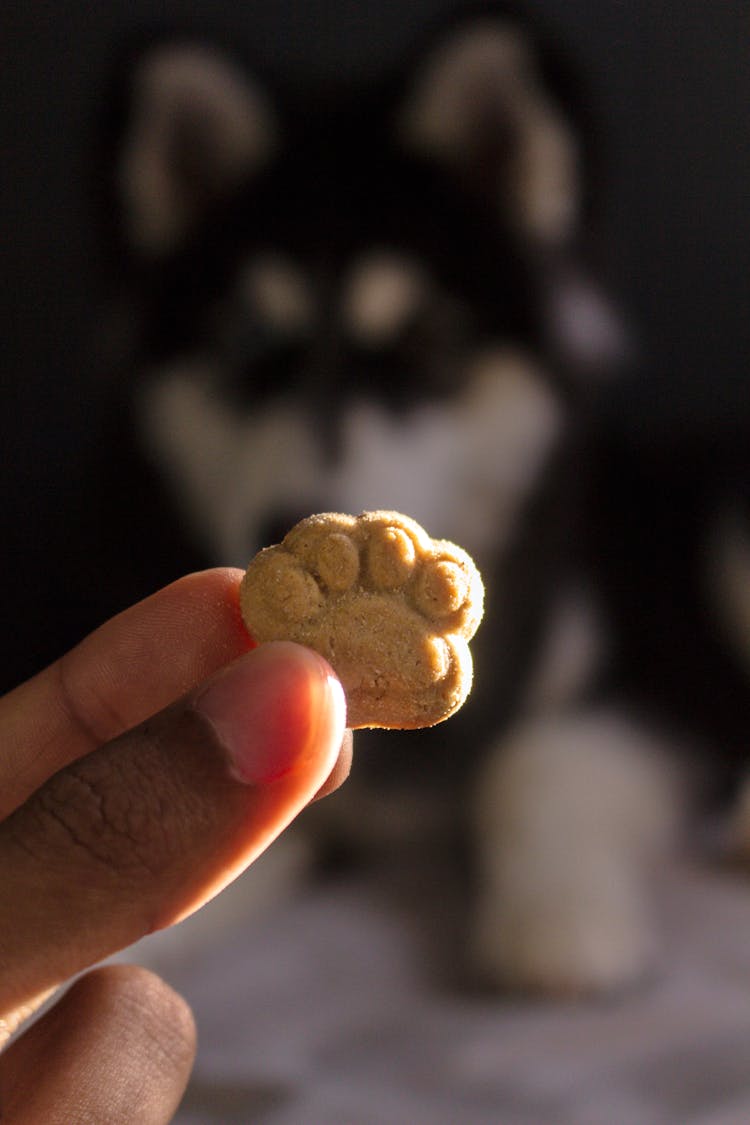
(670, 82)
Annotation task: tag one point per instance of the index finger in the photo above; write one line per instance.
(119, 675)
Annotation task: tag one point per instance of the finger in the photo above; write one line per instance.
(144, 830)
(127, 669)
(341, 769)
(118, 1047)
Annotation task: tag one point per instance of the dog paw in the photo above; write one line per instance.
(389, 608)
(566, 953)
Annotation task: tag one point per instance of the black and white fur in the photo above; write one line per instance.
(379, 301)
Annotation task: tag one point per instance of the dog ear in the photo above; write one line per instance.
(478, 104)
(196, 126)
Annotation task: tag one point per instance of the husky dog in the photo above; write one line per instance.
(379, 301)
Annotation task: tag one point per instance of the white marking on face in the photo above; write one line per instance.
(383, 292)
(278, 292)
(228, 471)
(462, 468)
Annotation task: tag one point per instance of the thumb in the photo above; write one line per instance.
(144, 830)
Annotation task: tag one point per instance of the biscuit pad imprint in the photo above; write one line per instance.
(389, 608)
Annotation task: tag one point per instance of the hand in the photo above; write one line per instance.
(121, 812)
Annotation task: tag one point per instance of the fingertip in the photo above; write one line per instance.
(276, 710)
(142, 831)
(118, 1046)
(341, 769)
(131, 990)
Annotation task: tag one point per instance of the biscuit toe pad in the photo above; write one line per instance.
(390, 609)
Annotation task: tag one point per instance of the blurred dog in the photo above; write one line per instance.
(381, 301)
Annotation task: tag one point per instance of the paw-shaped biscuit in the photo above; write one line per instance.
(389, 608)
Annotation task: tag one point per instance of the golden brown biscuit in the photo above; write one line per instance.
(389, 608)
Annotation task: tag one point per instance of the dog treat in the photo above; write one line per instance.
(389, 608)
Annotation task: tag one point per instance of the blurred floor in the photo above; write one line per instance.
(327, 1010)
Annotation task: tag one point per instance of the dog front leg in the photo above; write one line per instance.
(570, 811)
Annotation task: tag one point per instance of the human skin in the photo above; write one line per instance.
(139, 774)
